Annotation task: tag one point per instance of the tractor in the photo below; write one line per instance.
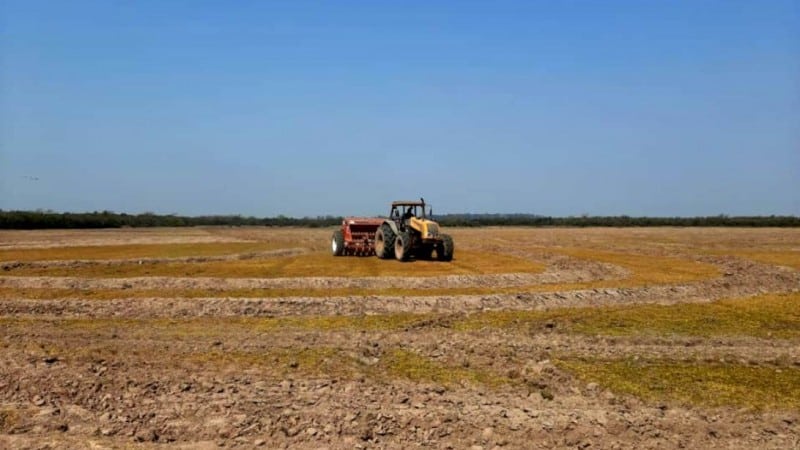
(409, 233)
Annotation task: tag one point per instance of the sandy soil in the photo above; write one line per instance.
(78, 238)
(136, 384)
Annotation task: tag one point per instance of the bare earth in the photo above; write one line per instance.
(219, 368)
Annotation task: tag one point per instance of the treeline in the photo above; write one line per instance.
(480, 220)
(30, 220)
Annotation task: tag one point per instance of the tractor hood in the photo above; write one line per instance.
(427, 228)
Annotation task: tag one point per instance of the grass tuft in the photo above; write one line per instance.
(311, 361)
(9, 418)
(399, 363)
(701, 384)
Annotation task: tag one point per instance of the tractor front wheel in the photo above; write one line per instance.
(445, 250)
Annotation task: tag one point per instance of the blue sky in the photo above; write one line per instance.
(657, 108)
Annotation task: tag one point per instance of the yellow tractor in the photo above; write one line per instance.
(409, 233)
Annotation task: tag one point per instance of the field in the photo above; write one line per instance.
(530, 338)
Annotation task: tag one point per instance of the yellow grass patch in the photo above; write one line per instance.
(778, 258)
(646, 269)
(139, 251)
(399, 363)
(9, 418)
(765, 316)
(168, 328)
(325, 362)
(314, 264)
(282, 362)
(703, 384)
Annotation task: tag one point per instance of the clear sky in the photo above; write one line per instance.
(262, 108)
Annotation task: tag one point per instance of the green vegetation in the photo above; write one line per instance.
(705, 384)
(314, 362)
(708, 384)
(765, 316)
(774, 316)
(399, 363)
(30, 220)
(282, 362)
(394, 364)
(210, 327)
(478, 220)
(36, 220)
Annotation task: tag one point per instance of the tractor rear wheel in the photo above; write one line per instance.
(384, 242)
(402, 246)
(445, 250)
(337, 243)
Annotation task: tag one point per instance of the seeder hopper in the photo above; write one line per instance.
(356, 237)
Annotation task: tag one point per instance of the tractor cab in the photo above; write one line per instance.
(403, 211)
(409, 232)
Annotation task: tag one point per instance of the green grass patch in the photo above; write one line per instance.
(765, 316)
(702, 384)
(284, 362)
(213, 327)
(399, 363)
(330, 362)
(768, 316)
(318, 362)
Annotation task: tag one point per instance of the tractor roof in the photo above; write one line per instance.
(407, 203)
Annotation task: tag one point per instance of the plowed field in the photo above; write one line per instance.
(529, 338)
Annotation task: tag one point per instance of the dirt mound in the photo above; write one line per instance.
(741, 278)
(10, 266)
